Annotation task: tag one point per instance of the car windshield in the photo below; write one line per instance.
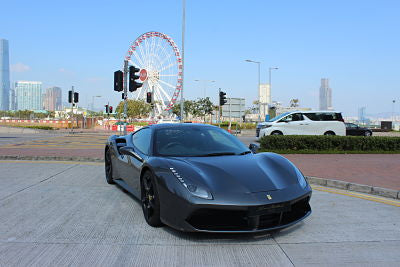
(279, 116)
(196, 141)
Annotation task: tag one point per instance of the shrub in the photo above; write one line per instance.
(330, 143)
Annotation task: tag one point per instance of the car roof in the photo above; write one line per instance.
(316, 111)
(179, 125)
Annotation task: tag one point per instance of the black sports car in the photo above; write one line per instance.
(354, 129)
(200, 178)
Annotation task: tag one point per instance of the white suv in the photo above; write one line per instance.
(304, 123)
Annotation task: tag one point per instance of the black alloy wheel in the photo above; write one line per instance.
(276, 133)
(329, 133)
(150, 200)
(108, 167)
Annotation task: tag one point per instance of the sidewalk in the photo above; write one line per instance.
(382, 170)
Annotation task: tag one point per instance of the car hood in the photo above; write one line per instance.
(238, 173)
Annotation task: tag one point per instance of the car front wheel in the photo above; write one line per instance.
(150, 200)
(367, 133)
(108, 167)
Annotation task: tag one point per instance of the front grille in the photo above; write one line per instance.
(252, 218)
(257, 132)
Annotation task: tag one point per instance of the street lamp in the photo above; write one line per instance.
(270, 85)
(205, 85)
(259, 83)
(93, 101)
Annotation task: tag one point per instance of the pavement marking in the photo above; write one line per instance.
(54, 162)
(357, 195)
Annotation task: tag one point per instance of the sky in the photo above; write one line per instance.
(354, 43)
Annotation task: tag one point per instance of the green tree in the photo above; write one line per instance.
(188, 107)
(135, 108)
(204, 107)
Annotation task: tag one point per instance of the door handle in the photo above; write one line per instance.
(303, 123)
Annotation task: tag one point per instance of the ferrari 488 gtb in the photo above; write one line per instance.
(200, 178)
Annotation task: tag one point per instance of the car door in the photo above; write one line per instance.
(294, 124)
(141, 142)
(351, 129)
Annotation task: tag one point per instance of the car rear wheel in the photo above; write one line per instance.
(108, 167)
(276, 133)
(367, 133)
(150, 200)
(329, 133)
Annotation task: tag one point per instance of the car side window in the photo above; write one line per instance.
(141, 140)
(293, 117)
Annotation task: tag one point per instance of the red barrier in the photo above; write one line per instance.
(130, 128)
(114, 128)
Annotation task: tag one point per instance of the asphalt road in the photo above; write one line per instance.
(64, 214)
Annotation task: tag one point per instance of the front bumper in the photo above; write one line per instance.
(198, 215)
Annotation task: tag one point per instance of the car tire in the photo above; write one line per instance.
(150, 200)
(367, 133)
(329, 133)
(108, 167)
(276, 133)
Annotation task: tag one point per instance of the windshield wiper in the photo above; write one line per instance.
(217, 154)
(245, 152)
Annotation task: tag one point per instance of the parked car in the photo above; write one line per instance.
(354, 129)
(304, 123)
(199, 178)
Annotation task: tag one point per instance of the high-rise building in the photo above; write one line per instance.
(325, 95)
(29, 95)
(4, 75)
(52, 99)
(264, 91)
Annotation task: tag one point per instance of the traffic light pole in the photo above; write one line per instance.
(125, 92)
(72, 111)
(219, 109)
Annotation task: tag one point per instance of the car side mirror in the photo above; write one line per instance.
(254, 147)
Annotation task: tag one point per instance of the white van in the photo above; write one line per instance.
(304, 123)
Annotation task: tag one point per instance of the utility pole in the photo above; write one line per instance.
(125, 85)
(183, 54)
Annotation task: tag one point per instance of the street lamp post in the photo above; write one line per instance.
(394, 101)
(205, 85)
(259, 83)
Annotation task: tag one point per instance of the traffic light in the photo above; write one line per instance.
(107, 109)
(133, 85)
(110, 109)
(222, 98)
(118, 81)
(69, 96)
(76, 97)
(148, 99)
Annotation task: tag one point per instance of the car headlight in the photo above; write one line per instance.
(300, 178)
(195, 190)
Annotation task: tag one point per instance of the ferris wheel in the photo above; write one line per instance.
(160, 63)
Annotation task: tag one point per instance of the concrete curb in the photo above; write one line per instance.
(368, 189)
(52, 158)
